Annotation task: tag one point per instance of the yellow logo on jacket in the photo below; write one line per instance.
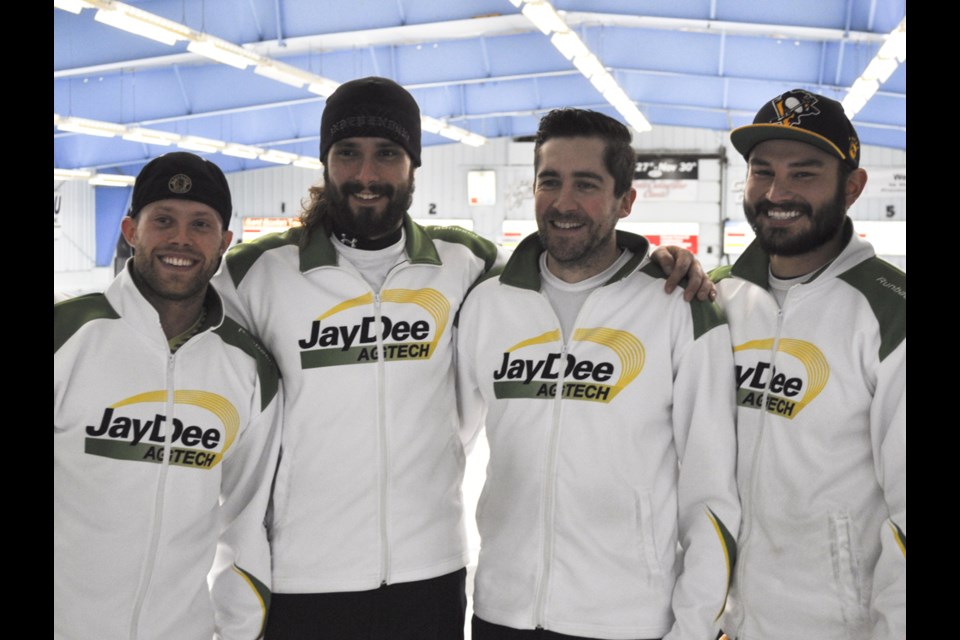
(344, 334)
(584, 378)
(788, 387)
(137, 428)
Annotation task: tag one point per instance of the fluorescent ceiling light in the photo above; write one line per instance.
(603, 82)
(279, 157)
(454, 133)
(91, 127)
(151, 136)
(196, 143)
(223, 52)
(569, 44)
(473, 140)
(71, 174)
(588, 65)
(896, 44)
(112, 180)
(241, 151)
(880, 69)
(323, 87)
(73, 6)
(308, 163)
(544, 17)
(140, 23)
(430, 125)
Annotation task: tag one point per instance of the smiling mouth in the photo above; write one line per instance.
(776, 214)
(367, 197)
(566, 225)
(175, 261)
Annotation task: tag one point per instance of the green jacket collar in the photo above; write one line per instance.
(754, 264)
(523, 268)
(320, 252)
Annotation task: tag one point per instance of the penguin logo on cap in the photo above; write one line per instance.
(180, 183)
(791, 107)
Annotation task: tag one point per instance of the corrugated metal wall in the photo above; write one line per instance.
(74, 226)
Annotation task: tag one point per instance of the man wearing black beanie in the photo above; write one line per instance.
(166, 432)
(359, 304)
(367, 532)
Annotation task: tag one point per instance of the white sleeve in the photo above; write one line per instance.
(708, 503)
(888, 433)
(233, 304)
(469, 400)
(240, 578)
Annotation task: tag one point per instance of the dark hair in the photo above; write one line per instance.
(618, 157)
(314, 216)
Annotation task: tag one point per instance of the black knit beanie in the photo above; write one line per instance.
(183, 176)
(371, 108)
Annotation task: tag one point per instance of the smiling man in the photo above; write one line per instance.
(166, 432)
(358, 304)
(819, 334)
(610, 506)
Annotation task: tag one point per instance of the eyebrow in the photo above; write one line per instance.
(812, 162)
(551, 173)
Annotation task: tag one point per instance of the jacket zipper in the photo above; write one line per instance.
(384, 448)
(752, 488)
(550, 490)
(154, 543)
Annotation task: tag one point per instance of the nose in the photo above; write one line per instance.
(566, 200)
(779, 191)
(180, 234)
(369, 172)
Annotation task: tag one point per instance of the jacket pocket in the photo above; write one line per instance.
(649, 553)
(847, 573)
(279, 494)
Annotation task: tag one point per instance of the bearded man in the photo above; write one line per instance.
(819, 333)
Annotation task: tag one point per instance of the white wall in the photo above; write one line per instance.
(441, 192)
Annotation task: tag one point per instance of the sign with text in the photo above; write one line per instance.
(663, 178)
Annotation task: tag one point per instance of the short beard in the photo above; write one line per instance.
(827, 222)
(365, 222)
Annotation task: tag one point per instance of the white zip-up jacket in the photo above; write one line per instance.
(368, 488)
(822, 449)
(606, 451)
(155, 455)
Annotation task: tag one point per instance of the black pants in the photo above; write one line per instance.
(483, 630)
(431, 609)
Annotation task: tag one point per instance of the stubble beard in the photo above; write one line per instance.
(178, 290)
(572, 252)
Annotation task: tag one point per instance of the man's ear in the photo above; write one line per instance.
(227, 239)
(128, 227)
(856, 181)
(626, 202)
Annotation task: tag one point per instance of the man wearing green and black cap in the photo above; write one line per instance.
(166, 432)
(358, 305)
(819, 332)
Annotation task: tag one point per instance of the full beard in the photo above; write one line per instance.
(826, 223)
(366, 222)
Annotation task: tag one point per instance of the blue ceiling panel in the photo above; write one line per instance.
(674, 9)
(490, 71)
(522, 53)
(655, 50)
(772, 59)
(831, 14)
